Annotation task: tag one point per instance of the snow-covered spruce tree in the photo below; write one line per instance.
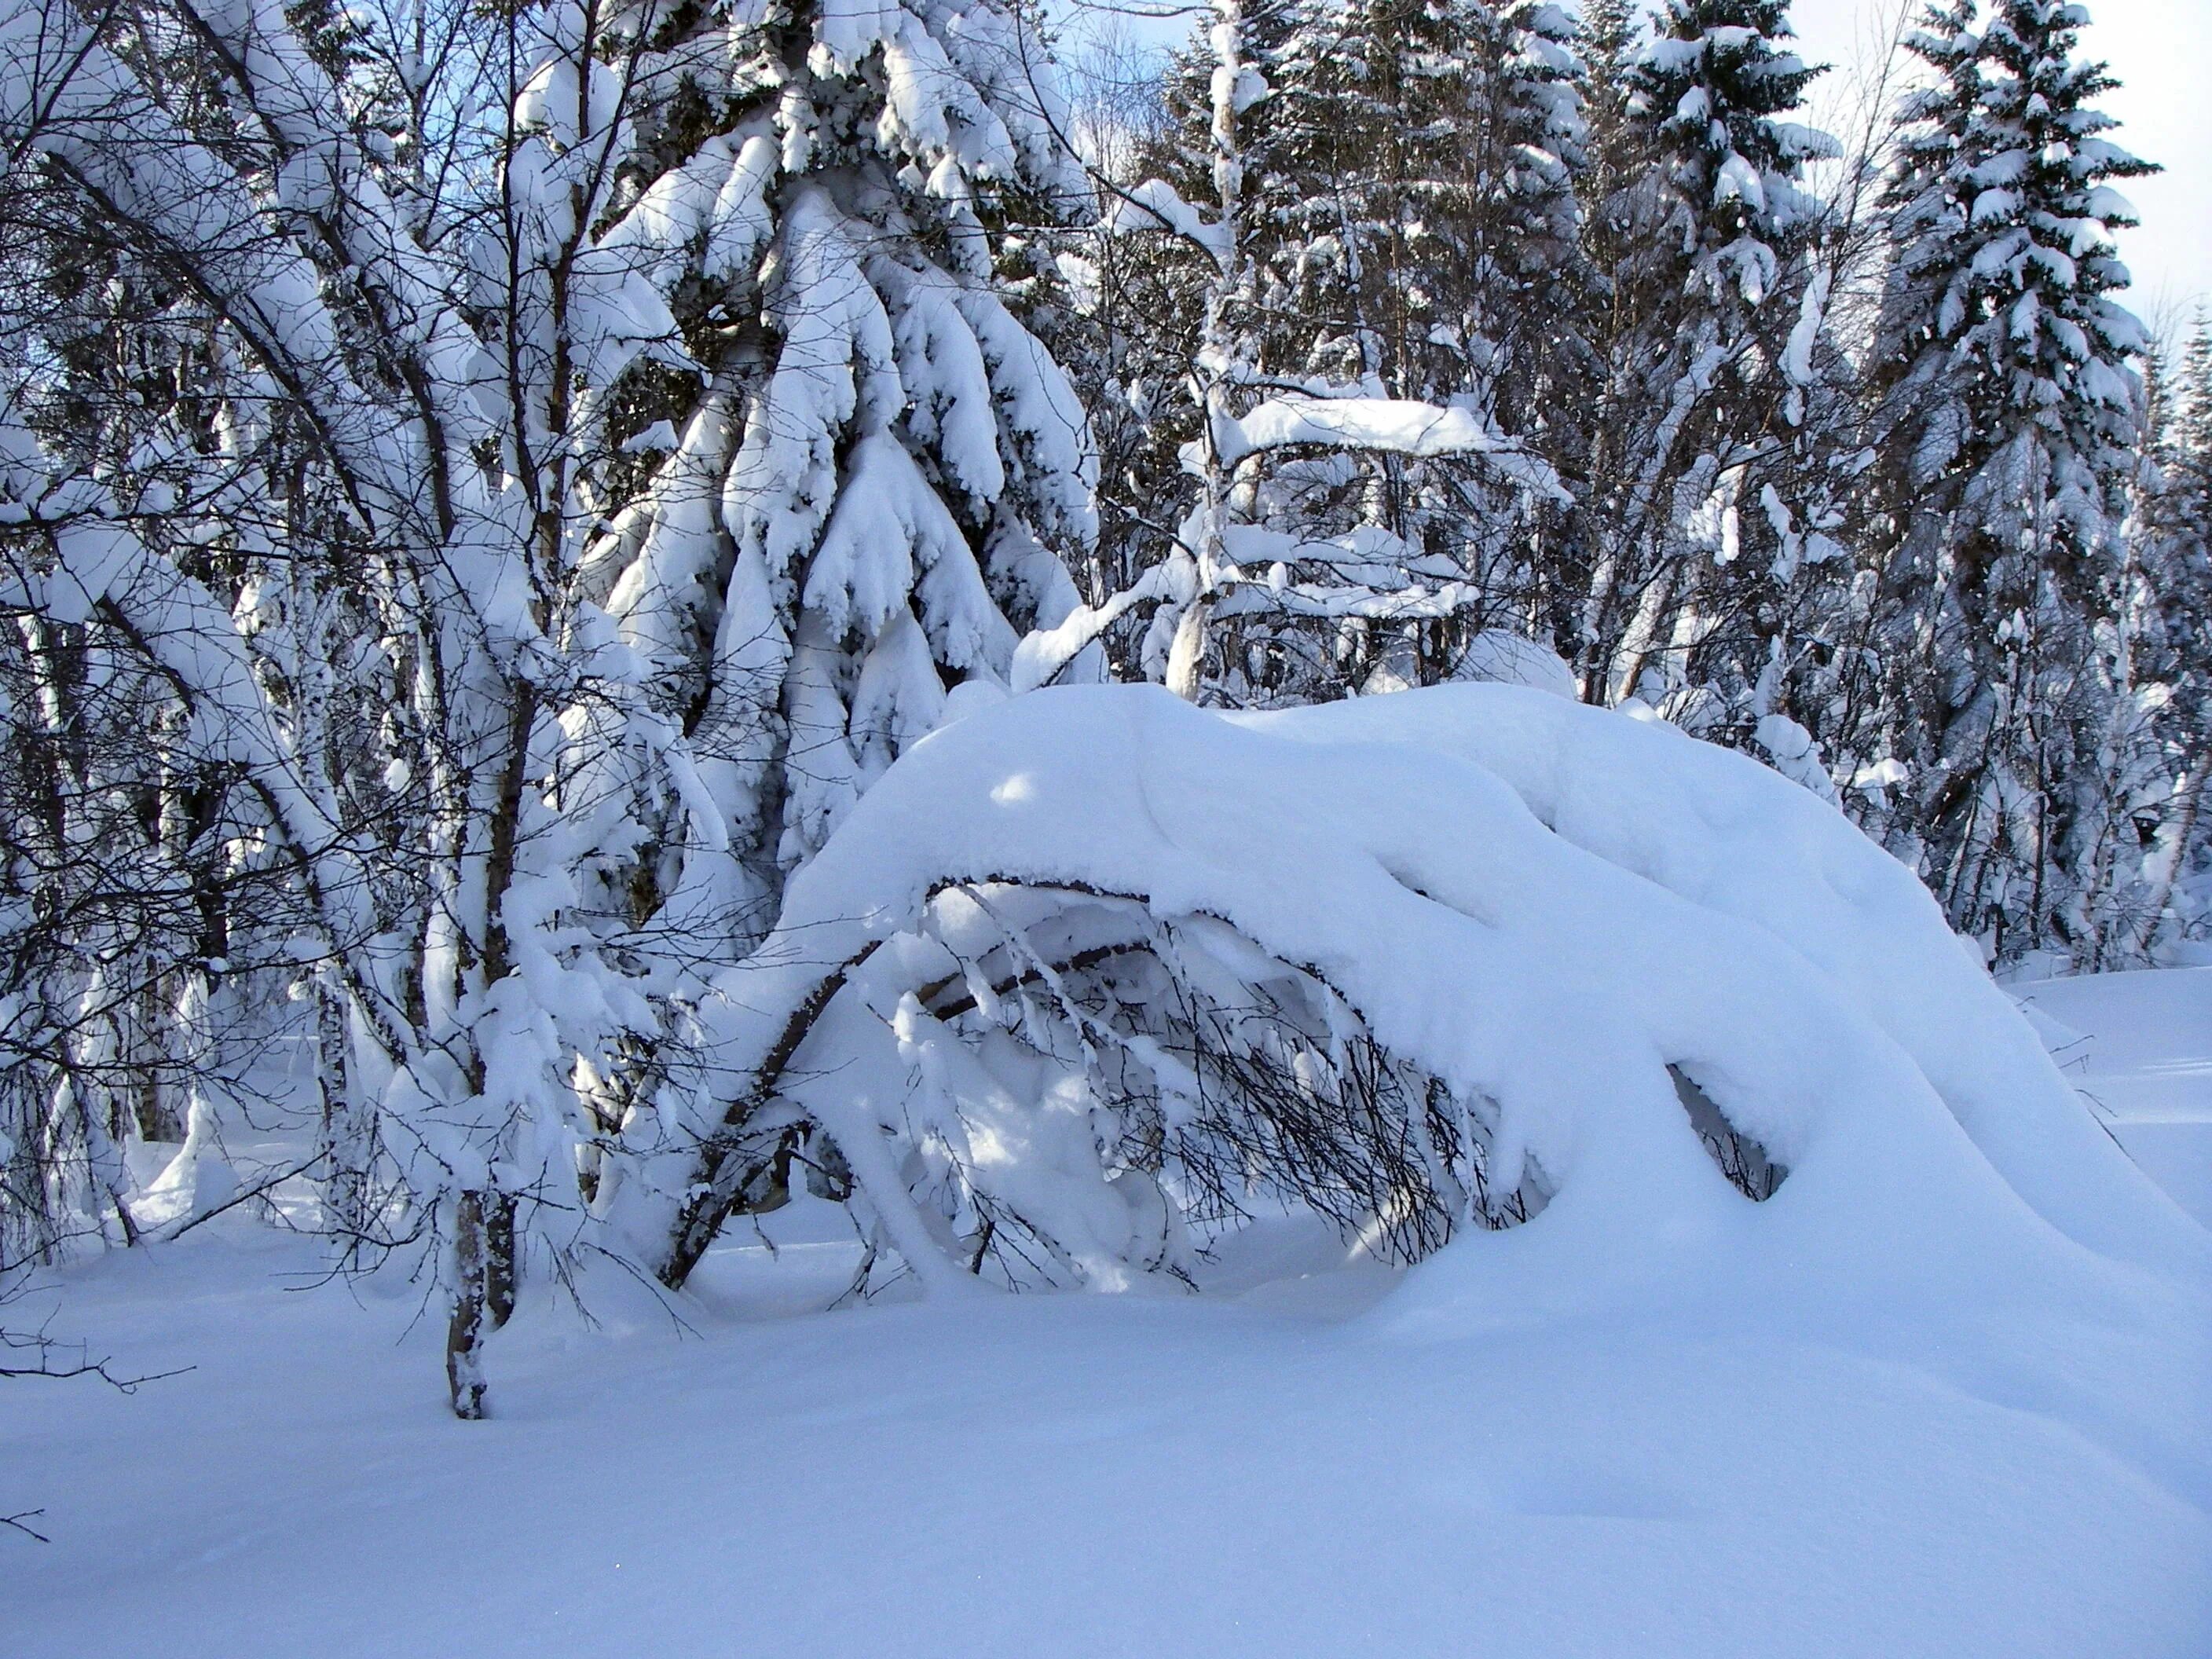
(1419, 209)
(1709, 313)
(2177, 561)
(1346, 466)
(2008, 419)
(842, 527)
(2152, 891)
(870, 494)
(1428, 245)
(2176, 585)
(1531, 110)
(1608, 40)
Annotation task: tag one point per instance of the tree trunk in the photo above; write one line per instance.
(484, 1291)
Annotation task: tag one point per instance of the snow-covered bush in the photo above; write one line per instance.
(1422, 961)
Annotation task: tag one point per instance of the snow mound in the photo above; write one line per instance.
(1499, 657)
(1562, 925)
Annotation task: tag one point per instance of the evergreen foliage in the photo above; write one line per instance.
(2009, 408)
(869, 491)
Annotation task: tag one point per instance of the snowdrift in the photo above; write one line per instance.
(1085, 973)
(1537, 930)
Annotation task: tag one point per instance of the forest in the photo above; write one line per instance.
(630, 585)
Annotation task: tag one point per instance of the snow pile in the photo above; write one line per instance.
(1554, 926)
(1498, 655)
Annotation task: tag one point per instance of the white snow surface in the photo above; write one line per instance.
(1064, 1475)
(1393, 426)
(2138, 1047)
(1949, 1391)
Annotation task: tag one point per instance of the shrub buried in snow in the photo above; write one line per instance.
(1479, 930)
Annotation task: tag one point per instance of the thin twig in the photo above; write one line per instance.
(17, 1520)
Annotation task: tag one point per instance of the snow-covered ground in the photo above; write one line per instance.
(1320, 1459)
(2139, 1046)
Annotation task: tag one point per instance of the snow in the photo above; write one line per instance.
(1468, 870)
(1510, 658)
(1270, 1473)
(1927, 1368)
(1948, 1389)
(2139, 1048)
(1397, 426)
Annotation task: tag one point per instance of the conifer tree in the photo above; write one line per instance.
(1403, 187)
(2165, 632)
(2009, 410)
(1608, 40)
(878, 484)
(1421, 245)
(1710, 325)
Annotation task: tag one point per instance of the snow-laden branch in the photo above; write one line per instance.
(1157, 205)
(1393, 426)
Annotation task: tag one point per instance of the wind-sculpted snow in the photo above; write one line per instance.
(1540, 907)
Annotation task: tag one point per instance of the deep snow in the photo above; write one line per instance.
(1315, 1464)
(2139, 1048)
(1557, 912)
(1060, 1476)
